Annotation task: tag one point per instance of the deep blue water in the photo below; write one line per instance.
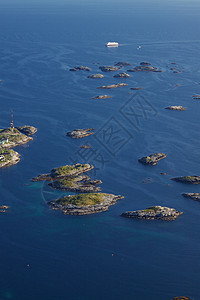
(46, 255)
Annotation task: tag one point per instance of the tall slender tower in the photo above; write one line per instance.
(11, 121)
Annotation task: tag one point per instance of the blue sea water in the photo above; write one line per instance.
(46, 255)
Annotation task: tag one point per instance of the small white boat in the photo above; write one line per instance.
(112, 44)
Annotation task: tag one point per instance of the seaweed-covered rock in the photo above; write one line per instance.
(122, 64)
(84, 204)
(112, 86)
(193, 196)
(152, 159)
(79, 184)
(102, 97)
(81, 68)
(109, 68)
(96, 76)
(122, 75)
(177, 107)
(154, 213)
(80, 133)
(187, 179)
(65, 171)
(27, 130)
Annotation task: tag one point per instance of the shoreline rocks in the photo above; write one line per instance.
(154, 213)
(84, 204)
(187, 179)
(80, 133)
(8, 158)
(14, 137)
(27, 130)
(152, 159)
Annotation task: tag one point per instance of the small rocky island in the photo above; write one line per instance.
(154, 213)
(187, 179)
(152, 159)
(122, 75)
(193, 196)
(3, 208)
(112, 86)
(144, 68)
(109, 68)
(102, 97)
(80, 133)
(80, 68)
(12, 137)
(175, 107)
(96, 76)
(84, 204)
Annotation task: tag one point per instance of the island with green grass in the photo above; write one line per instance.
(12, 137)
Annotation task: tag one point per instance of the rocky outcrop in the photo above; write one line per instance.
(145, 64)
(109, 68)
(187, 179)
(81, 68)
(122, 64)
(64, 172)
(96, 76)
(80, 133)
(177, 107)
(136, 88)
(112, 86)
(27, 130)
(193, 196)
(8, 158)
(79, 184)
(152, 159)
(102, 97)
(84, 204)
(154, 213)
(14, 137)
(122, 75)
(144, 68)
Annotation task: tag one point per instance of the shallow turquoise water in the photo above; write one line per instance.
(47, 255)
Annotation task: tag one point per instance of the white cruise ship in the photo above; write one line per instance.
(112, 44)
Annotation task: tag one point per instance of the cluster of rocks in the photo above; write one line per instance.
(3, 208)
(81, 68)
(152, 159)
(188, 179)
(193, 196)
(122, 75)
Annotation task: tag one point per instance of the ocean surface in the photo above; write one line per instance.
(46, 255)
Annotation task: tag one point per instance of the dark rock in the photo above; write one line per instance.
(163, 173)
(85, 146)
(177, 107)
(84, 204)
(112, 86)
(154, 213)
(109, 68)
(187, 179)
(80, 133)
(152, 159)
(197, 97)
(102, 97)
(193, 196)
(143, 68)
(122, 75)
(136, 88)
(122, 64)
(181, 298)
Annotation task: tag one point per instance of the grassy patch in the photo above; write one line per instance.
(82, 199)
